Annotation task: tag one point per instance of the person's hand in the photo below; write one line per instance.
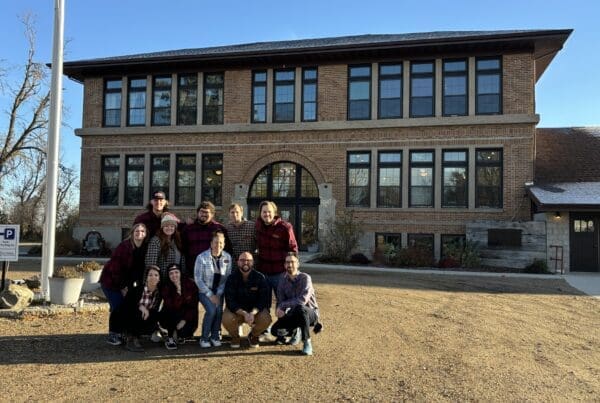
(249, 318)
(280, 313)
(145, 312)
(180, 325)
(215, 299)
(189, 221)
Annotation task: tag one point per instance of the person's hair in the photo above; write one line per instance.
(165, 242)
(267, 203)
(235, 205)
(216, 233)
(164, 210)
(207, 206)
(135, 226)
(147, 270)
(293, 254)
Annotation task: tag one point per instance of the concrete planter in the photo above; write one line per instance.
(90, 280)
(65, 291)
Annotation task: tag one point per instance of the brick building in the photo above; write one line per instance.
(416, 134)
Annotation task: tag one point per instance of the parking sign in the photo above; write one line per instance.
(9, 243)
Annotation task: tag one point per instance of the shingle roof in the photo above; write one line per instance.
(569, 154)
(571, 194)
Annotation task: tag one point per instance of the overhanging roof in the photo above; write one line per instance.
(543, 43)
(575, 196)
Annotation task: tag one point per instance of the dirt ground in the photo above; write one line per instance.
(387, 337)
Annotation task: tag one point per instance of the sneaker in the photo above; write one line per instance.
(307, 349)
(318, 327)
(114, 339)
(235, 343)
(215, 342)
(280, 340)
(133, 344)
(296, 336)
(282, 332)
(253, 340)
(204, 343)
(170, 344)
(156, 336)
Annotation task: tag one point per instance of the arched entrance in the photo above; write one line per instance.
(296, 194)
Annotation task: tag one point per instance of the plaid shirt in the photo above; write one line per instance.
(274, 242)
(242, 237)
(149, 298)
(297, 291)
(196, 239)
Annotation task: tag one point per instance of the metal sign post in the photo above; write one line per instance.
(9, 248)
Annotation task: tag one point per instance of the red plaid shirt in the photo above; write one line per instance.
(274, 242)
(148, 298)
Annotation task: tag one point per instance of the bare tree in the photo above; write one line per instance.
(27, 113)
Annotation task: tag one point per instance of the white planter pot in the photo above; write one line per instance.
(90, 280)
(65, 291)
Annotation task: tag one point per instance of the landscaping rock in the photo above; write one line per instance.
(16, 297)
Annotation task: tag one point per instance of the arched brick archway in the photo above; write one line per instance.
(291, 156)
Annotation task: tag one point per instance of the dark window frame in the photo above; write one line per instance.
(412, 165)
(386, 236)
(259, 84)
(112, 91)
(499, 164)
(290, 82)
(109, 168)
(455, 164)
(381, 165)
(155, 109)
(180, 109)
(160, 168)
(410, 237)
(397, 76)
(179, 166)
(357, 165)
(136, 168)
(358, 79)
(129, 92)
(220, 107)
(206, 167)
(422, 75)
(311, 81)
(462, 241)
(488, 72)
(455, 73)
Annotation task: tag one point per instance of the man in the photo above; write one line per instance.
(197, 236)
(240, 231)
(296, 305)
(248, 300)
(151, 219)
(274, 239)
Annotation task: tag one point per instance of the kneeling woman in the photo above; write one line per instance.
(138, 314)
(179, 313)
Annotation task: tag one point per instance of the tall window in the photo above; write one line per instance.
(383, 239)
(136, 108)
(187, 99)
(359, 174)
(259, 96)
(488, 178)
(359, 92)
(421, 179)
(454, 171)
(112, 103)
(389, 179)
(161, 101)
(109, 187)
(454, 84)
(212, 178)
(213, 99)
(159, 174)
(488, 86)
(309, 94)
(185, 183)
(422, 86)
(134, 180)
(390, 91)
(283, 95)
(423, 242)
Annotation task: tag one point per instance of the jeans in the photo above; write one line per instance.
(299, 316)
(273, 280)
(211, 324)
(115, 299)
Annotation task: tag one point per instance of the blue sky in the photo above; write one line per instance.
(566, 95)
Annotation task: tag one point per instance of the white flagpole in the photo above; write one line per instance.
(53, 147)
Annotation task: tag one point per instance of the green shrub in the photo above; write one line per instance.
(413, 256)
(538, 266)
(341, 238)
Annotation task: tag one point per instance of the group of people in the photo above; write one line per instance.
(157, 277)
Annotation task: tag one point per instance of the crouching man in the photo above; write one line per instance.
(248, 300)
(296, 305)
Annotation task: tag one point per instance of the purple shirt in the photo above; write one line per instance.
(297, 291)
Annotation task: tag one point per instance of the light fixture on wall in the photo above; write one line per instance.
(557, 214)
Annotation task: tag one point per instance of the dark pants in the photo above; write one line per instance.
(128, 319)
(169, 320)
(299, 316)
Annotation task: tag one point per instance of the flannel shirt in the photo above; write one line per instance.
(274, 242)
(242, 237)
(196, 239)
(204, 272)
(296, 291)
(149, 298)
(154, 257)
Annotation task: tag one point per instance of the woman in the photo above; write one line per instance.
(211, 270)
(164, 249)
(138, 314)
(179, 313)
(124, 270)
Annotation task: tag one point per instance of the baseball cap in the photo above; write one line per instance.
(159, 195)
